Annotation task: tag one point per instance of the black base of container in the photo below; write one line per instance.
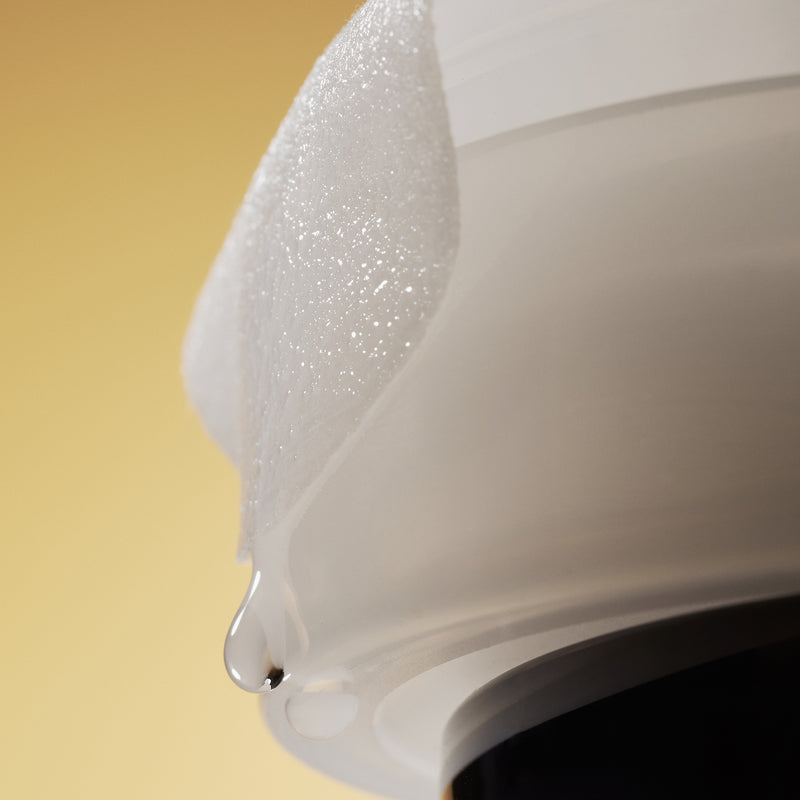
(729, 728)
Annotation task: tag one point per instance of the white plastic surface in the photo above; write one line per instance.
(511, 63)
(601, 426)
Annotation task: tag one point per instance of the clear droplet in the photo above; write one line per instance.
(247, 657)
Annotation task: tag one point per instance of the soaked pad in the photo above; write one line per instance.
(335, 262)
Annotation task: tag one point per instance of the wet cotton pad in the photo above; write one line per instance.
(334, 265)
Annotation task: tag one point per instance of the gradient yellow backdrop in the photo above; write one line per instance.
(129, 133)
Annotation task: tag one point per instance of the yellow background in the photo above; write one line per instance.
(128, 135)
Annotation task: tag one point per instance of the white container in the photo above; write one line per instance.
(601, 427)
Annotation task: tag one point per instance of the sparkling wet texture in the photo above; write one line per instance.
(350, 225)
(336, 259)
(333, 268)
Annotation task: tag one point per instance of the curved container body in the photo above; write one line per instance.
(601, 428)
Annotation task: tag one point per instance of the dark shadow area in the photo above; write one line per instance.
(726, 729)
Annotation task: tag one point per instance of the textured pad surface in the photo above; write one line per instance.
(335, 262)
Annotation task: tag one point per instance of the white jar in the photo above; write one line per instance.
(601, 427)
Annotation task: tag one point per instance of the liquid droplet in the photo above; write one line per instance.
(247, 657)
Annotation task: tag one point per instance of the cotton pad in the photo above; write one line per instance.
(335, 263)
